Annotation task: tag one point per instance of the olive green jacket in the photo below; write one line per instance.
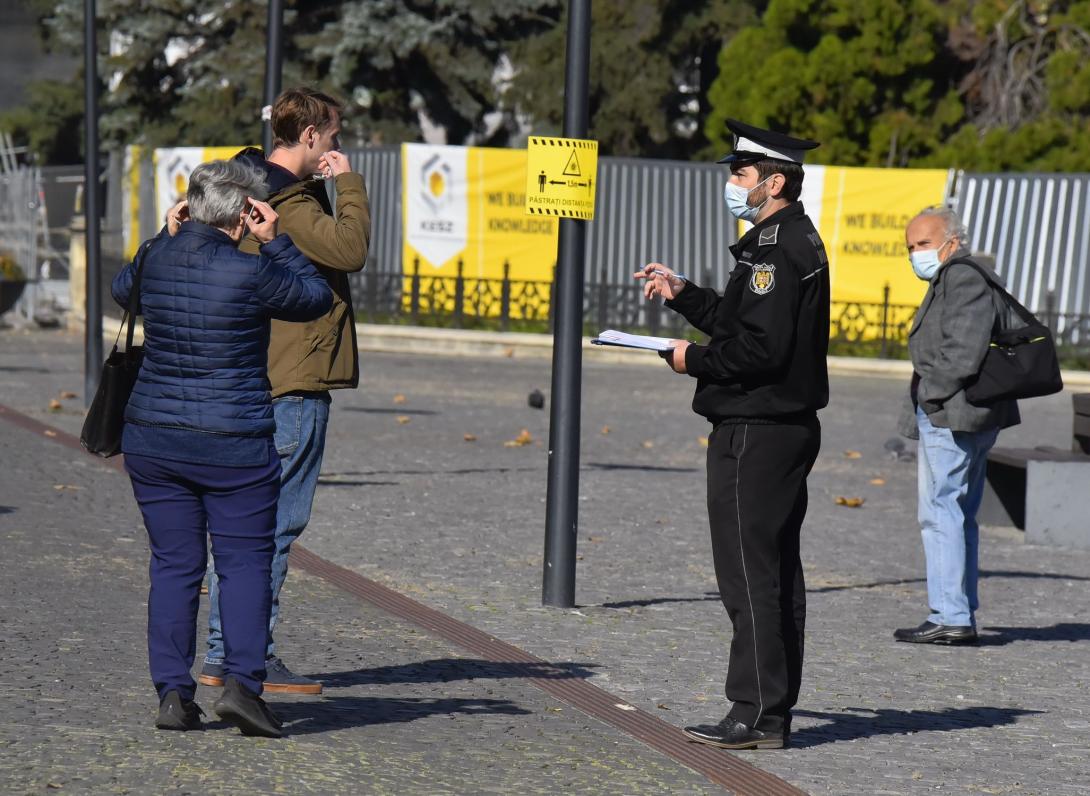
(320, 355)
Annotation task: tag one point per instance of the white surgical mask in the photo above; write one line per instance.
(926, 263)
(737, 198)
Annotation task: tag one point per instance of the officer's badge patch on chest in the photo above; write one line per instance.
(762, 278)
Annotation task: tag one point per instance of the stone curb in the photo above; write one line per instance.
(521, 345)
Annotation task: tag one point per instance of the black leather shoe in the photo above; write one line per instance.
(930, 633)
(176, 713)
(731, 734)
(240, 706)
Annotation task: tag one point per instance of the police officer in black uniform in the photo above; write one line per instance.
(761, 378)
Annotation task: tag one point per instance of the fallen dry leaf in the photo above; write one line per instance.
(648, 443)
(661, 706)
(850, 502)
(853, 455)
(524, 438)
(508, 352)
(55, 405)
(554, 710)
(403, 419)
(703, 441)
(50, 432)
(469, 437)
(605, 429)
(61, 487)
(878, 481)
(399, 399)
(68, 395)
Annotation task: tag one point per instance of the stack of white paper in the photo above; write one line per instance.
(625, 340)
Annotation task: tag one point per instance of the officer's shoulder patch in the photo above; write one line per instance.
(762, 278)
(770, 236)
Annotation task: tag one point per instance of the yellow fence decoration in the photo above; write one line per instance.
(465, 205)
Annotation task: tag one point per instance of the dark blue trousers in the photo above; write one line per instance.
(237, 507)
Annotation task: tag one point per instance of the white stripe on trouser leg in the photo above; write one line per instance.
(745, 576)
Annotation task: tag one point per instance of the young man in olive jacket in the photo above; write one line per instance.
(306, 360)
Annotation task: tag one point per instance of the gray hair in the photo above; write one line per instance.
(951, 222)
(218, 190)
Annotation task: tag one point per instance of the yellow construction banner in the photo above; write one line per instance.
(560, 177)
(863, 215)
(466, 205)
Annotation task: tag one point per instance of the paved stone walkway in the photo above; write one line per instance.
(407, 500)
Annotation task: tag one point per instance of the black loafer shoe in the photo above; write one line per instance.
(176, 713)
(930, 633)
(240, 706)
(731, 734)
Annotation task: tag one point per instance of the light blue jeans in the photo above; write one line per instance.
(300, 441)
(951, 484)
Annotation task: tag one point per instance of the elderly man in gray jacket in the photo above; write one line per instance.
(947, 343)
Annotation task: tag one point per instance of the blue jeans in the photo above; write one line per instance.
(300, 441)
(236, 506)
(951, 484)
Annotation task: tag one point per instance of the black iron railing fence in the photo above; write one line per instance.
(878, 329)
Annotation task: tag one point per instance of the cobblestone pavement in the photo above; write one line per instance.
(402, 712)
(407, 500)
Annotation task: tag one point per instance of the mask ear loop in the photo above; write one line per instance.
(755, 187)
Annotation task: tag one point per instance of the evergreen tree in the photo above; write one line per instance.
(414, 65)
(178, 72)
(651, 63)
(975, 84)
(1027, 95)
(874, 81)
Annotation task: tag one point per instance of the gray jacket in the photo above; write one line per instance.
(947, 344)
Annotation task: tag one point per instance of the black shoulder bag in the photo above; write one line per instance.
(105, 419)
(1021, 362)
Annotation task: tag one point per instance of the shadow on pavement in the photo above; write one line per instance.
(324, 481)
(866, 723)
(1013, 573)
(456, 471)
(445, 670)
(870, 585)
(342, 713)
(23, 369)
(987, 573)
(1065, 631)
(650, 468)
(711, 596)
(7, 509)
(383, 411)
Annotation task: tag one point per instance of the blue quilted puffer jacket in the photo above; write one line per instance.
(206, 309)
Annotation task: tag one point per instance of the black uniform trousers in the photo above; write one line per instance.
(756, 504)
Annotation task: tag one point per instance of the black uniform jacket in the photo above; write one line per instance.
(769, 330)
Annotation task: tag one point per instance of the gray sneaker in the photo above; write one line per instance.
(211, 674)
(279, 679)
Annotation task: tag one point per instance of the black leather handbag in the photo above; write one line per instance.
(105, 419)
(1020, 363)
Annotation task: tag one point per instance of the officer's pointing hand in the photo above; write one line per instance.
(659, 281)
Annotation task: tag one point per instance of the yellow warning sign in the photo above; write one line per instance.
(561, 175)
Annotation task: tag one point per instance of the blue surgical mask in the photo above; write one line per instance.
(737, 198)
(926, 263)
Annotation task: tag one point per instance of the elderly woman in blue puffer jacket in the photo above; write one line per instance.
(198, 438)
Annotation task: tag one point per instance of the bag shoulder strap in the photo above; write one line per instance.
(1027, 317)
(129, 318)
